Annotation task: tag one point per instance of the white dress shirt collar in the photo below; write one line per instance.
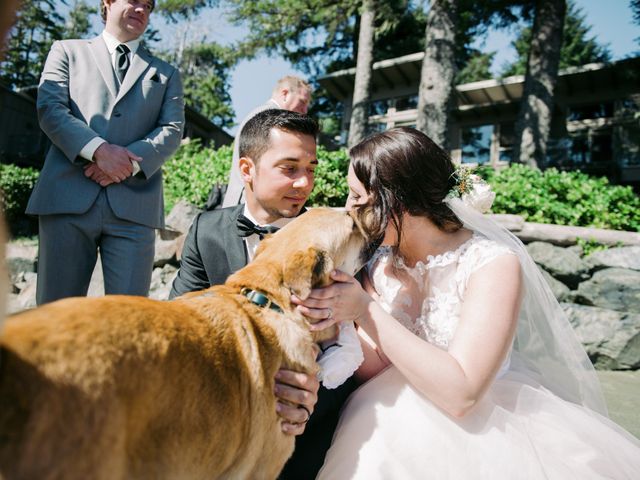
(112, 43)
(252, 241)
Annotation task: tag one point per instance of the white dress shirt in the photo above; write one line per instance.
(252, 241)
(112, 43)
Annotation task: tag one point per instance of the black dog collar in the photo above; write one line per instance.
(260, 299)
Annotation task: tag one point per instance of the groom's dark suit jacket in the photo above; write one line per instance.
(212, 251)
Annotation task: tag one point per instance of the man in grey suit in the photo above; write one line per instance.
(290, 93)
(114, 114)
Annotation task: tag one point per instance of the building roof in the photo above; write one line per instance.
(405, 71)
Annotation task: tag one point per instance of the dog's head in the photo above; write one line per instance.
(316, 243)
(302, 255)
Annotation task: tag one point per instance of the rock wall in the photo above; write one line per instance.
(599, 292)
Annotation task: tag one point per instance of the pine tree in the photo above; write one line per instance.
(37, 25)
(578, 46)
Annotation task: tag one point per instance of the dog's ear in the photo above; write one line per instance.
(305, 270)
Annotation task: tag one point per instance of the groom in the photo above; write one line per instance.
(277, 163)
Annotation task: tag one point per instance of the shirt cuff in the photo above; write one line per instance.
(136, 167)
(90, 148)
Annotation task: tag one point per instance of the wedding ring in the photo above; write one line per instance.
(308, 414)
(330, 313)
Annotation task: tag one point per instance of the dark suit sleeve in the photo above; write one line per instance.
(192, 275)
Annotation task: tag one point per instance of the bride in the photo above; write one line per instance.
(471, 369)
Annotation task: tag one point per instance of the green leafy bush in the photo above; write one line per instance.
(550, 196)
(564, 198)
(330, 184)
(193, 171)
(16, 184)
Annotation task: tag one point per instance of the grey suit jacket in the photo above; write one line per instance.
(78, 100)
(235, 190)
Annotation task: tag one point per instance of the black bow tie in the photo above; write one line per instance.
(247, 228)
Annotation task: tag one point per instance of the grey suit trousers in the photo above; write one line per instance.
(68, 249)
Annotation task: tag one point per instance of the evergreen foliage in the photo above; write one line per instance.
(205, 68)
(38, 25)
(578, 47)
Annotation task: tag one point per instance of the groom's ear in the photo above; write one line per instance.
(247, 169)
(305, 270)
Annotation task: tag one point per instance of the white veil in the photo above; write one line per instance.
(545, 344)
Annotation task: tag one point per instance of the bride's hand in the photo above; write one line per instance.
(344, 300)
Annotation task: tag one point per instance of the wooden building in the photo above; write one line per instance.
(595, 127)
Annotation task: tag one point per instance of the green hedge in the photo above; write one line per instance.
(550, 196)
(16, 184)
(193, 171)
(564, 198)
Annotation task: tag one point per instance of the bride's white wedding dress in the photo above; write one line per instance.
(519, 430)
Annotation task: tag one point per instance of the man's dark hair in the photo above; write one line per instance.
(255, 135)
(103, 9)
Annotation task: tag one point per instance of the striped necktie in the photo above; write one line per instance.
(122, 61)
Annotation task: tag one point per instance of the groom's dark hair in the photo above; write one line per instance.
(255, 137)
(404, 171)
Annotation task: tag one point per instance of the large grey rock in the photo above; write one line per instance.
(612, 339)
(622, 257)
(559, 289)
(612, 288)
(561, 263)
(165, 251)
(27, 297)
(161, 281)
(21, 257)
(565, 236)
(180, 218)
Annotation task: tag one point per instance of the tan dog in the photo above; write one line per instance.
(126, 387)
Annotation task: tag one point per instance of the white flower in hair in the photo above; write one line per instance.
(472, 190)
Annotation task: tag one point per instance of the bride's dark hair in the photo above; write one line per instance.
(404, 171)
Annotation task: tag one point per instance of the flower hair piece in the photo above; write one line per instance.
(472, 190)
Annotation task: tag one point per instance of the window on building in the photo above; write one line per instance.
(579, 151)
(601, 146)
(629, 106)
(629, 145)
(476, 144)
(591, 111)
(375, 127)
(378, 107)
(409, 102)
(506, 140)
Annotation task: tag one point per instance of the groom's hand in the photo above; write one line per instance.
(94, 173)
(115, 161)
(297, 396)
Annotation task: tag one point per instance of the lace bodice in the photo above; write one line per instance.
(427, 298)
